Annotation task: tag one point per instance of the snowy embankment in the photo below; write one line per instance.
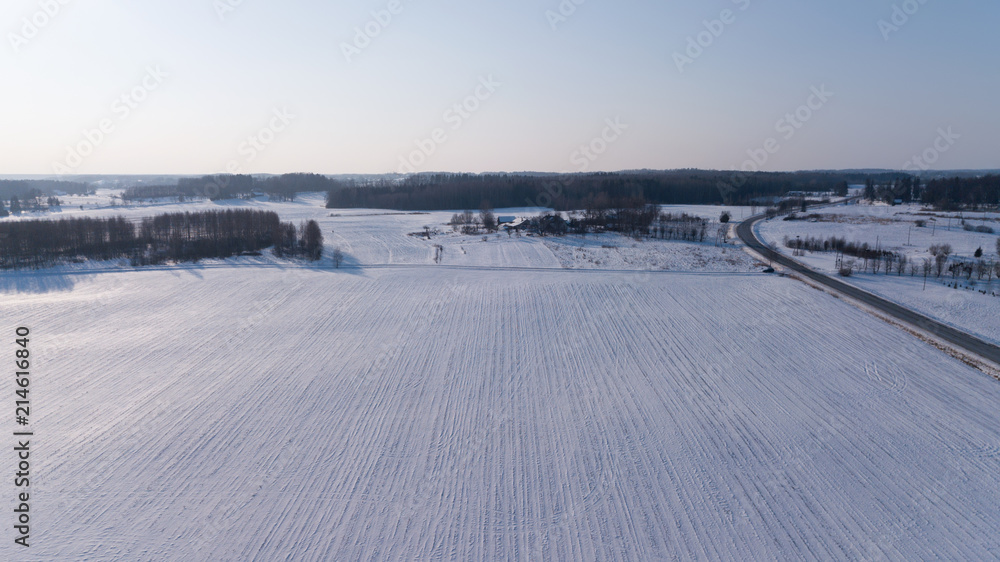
(895, 229)
(419, 414)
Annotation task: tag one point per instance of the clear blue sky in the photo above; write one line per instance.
(558, 84)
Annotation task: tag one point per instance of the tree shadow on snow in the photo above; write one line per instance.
(349, 264)
(14, 282)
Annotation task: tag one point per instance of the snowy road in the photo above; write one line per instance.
(963, 340)
(218, 414)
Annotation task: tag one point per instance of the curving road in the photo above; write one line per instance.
(947, 333)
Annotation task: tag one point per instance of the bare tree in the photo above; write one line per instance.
(846, 268)
(312, 240)
(722, 234)
(940, 253)
(981, 269)
(488, 219)
(338, 257)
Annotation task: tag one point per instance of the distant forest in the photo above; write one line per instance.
(970, 193)
(946, 194)
(173, 237)
(562, 192)
(568, 192)
(30, 189)
(34, 195)
(217, 187)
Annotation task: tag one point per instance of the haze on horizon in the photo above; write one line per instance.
(257, 86)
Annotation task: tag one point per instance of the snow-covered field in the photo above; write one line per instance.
(371, 237)
(894, 229)
(241, 411)
(427, 413)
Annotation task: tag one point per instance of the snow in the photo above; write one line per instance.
(620, 252)
(965, 308)
(380, 237)
(403, 410)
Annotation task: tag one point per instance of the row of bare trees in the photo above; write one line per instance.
(469, 223)
(169, 237)
(877, 260)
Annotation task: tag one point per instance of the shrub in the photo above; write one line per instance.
(983, 229)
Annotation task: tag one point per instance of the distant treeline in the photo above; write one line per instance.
(559, 191)
(32, 189)
(905, 189)
(279, 188)
(955, 193)
(137, 192)
(170, 237)
(567, 192)
(34, 202)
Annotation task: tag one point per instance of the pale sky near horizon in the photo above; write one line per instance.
(924, 84)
